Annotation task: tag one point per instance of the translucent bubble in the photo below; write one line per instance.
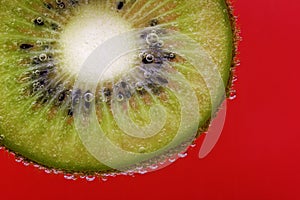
(139, 86)
(56, 171)
(39, 43)
(142, 149)
(234, 79)
(232, 95)
(172, 160)
(149, 58)
(104, 178)
(39, 20)
(88, 97)
(48, 171)
(153, 167)
(120, 97)
(69, 177)
(36, 72)
(2, 137)
(182, 155)
(152, 38)
(147, 74)
(141, 55)
(142, 171)
(25, 163)
(61, 5)
(19, 159)
(90, 178)
(172, 55)
(43, 57)
(160, 43)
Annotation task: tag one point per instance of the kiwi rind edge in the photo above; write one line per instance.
(234, 63)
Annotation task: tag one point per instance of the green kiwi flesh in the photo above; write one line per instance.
(36, 119)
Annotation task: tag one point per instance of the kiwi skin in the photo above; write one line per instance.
(234, 63)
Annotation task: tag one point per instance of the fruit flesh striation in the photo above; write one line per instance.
(38, 124)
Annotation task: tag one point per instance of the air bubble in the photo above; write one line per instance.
(139, 86)
(153, 167)
(25, 163)
(56, 171)
(90, 178)
(182, 155)
(39, 43)
(18, 159)
(61, 5)
(36, 72)
(172, 160)
(149, 58)
(69, 177)
(48, 171)
(147, 74)
(142, 150)
(76, 99)
(142, 171)
(39, 21)
(160, 43)
(141, 55)
(120, 97)
(2, 137)
(104, 178)
(234, 79)
(43, 57)
(232, 95)
(152, 38)
(88, 97)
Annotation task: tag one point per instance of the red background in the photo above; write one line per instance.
(257, 156)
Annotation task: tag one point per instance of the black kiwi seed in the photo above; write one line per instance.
(48, 5)
(120, 5)
(43, 73)
(153, 22)
(70, 112)
(123, 84)
(26, 46)
(61, 96)
(73, 2)
(106, 92)
(54, 26)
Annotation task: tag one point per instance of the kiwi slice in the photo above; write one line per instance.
(104, 86)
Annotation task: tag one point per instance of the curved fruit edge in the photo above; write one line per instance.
(90, 176)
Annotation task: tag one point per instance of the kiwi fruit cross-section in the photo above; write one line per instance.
(137, 104)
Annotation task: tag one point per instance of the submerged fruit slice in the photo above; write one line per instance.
(149, 56)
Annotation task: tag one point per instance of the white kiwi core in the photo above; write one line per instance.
(90, 26)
